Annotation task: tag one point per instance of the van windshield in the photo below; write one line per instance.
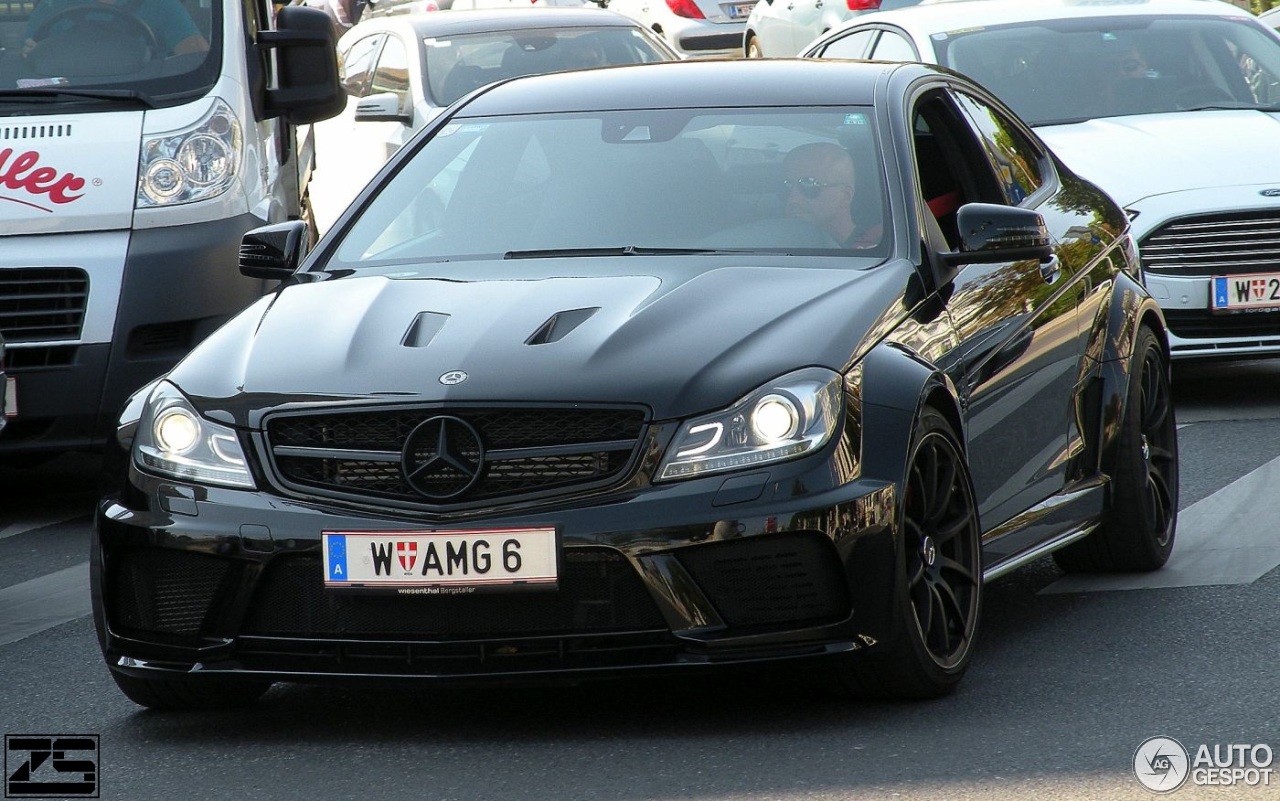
(158, 49)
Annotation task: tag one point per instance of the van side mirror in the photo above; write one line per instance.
(307, 67)
(273, 251)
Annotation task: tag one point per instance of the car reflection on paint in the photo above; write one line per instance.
(592, 381)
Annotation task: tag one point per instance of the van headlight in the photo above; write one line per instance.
(784, 419)
(193, 164)
(173, 440)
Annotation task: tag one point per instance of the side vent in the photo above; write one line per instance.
(559, 325)
(423, 329)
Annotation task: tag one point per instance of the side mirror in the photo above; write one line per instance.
(307, 67)
(273, 251)
(382, 107)
(990, 232)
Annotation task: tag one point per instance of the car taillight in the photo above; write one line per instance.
(686, 8)
(862, 5)
(431, 5)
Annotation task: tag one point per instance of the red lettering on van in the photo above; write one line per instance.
(23, 173)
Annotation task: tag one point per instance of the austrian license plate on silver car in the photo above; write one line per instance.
(740, 10)
(1252, 291)
(440, 562)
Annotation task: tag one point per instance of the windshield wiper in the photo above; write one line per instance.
(626, 250)
(57, 94)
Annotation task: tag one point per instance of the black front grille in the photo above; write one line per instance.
(1202, 324)
(42, 303)
(599, 592)
(1218, 244)
(165, 591)
(785, 579)
(526, 451)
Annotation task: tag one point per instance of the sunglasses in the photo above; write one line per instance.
(809, 187)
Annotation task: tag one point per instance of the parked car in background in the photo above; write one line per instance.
(782, 28)
(1155, 101)
(401, 71)
(695, 28)
(650, 369)
(1271, 17)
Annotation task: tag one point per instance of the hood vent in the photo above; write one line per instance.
(48, 131)
(423, 329)
(559, 325)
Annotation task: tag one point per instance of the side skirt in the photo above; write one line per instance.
(1055, 522)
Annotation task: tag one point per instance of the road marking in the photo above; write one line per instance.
(1226, 538)
(41, 603)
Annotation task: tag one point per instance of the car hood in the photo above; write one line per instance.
(1146, 155)
(679, 342)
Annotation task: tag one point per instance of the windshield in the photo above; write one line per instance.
(1072, 70)
(631, 182)
(155, 48)
(458, 64)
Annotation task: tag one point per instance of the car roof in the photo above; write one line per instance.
(694, 83)
(450, 23)
(946, 15)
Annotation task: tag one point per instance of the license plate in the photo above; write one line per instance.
(10, 396)
(441, 562)
(1254, 291)
(740, 10)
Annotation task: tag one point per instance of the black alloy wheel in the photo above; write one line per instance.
(941, 549)
(1138, 526)
(940, 584)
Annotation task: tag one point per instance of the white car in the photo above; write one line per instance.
(695, 28)
(400, 71)
(1162, 103)
(782, 28)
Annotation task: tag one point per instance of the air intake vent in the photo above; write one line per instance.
(42, 303)
(9, 133)
(560, 324)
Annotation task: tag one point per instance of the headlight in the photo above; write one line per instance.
(193, 164)
(788, 417)
(173, 440)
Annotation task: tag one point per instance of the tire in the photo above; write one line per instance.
(939, 582)
(1138, 526)
(753, 47)
(188, 694)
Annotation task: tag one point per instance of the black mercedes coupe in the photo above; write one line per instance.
(650, 369)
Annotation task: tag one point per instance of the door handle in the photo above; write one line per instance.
(1051, 269)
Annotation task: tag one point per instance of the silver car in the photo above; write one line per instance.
(1162, 103)
(695, 28)
(782, 28)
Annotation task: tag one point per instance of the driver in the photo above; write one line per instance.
(168, 20)
(818, 185)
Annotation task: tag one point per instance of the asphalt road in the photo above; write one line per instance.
(1070, 678)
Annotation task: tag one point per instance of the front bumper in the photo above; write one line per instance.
(195, 580)
(1198, 332)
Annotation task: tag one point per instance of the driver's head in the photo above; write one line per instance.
(818, 185)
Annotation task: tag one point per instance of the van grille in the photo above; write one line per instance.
(39, 304)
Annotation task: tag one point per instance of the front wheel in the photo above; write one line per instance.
(939, 585)
(1137, 529)
(753, 47)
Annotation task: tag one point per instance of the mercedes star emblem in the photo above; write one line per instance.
(453, 377)
(443, 457)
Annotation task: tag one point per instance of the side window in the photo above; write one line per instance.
(951, 168)
(356, 64)
(392, 74)
(852, 46)
(893, 47)
(1016, 161)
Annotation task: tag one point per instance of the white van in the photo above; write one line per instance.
(139, 139)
